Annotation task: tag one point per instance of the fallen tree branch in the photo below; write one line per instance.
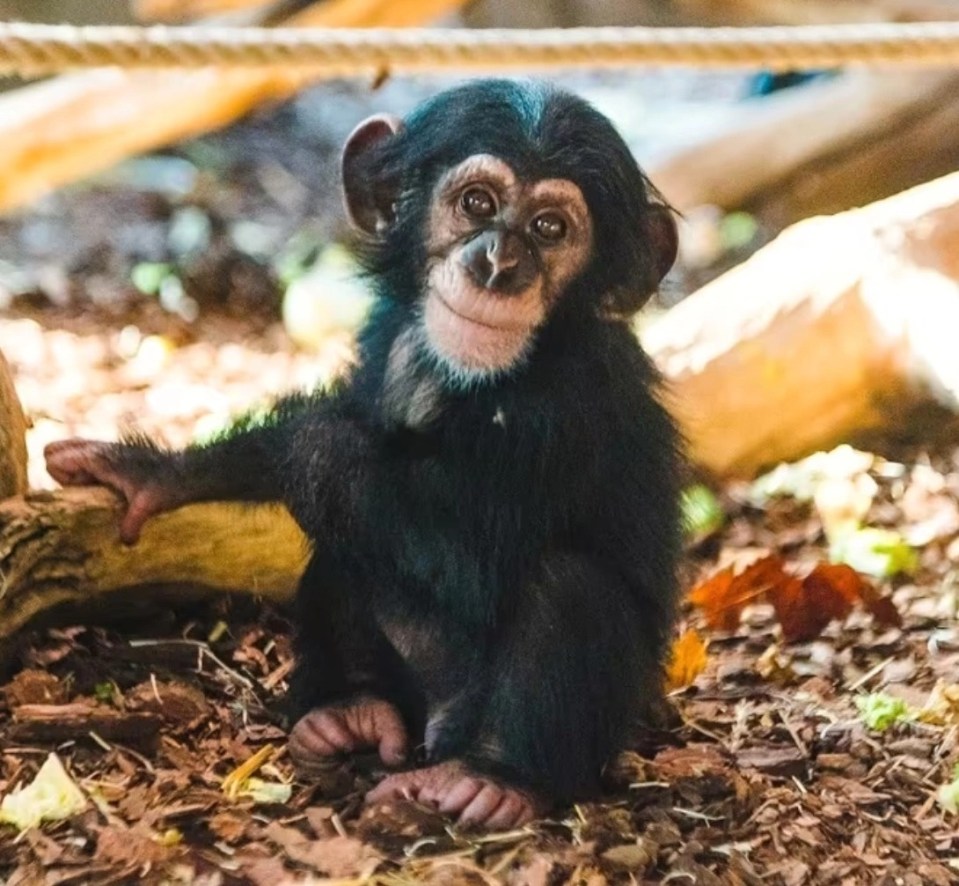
(63, 546)
(814, 12)
(13, 437)
(69, 722)
(190, 10)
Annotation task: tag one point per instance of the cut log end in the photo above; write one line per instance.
(841, 326)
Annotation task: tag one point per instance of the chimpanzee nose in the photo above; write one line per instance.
(499, 261)
(502, 263)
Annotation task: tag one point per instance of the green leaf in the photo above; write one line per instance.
(104, 692)
(300, 253)
(879, 710)
(702, 513)
(148, 276)
(737, 230)
(881, 553)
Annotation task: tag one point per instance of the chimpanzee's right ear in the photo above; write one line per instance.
(369, 204)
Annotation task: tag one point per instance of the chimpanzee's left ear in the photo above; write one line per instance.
(663, 239)
(369, 203)
(660, 242)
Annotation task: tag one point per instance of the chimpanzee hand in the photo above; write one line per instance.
(78, 462)
(364, 723)
(476, 800)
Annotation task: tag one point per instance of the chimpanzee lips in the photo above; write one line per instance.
(475, 338)
(479, 320)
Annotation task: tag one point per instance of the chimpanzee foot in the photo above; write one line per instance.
(475, 800)
(339, 729)
(78, 462)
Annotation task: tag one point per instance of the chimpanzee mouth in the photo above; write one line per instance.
(471, 342)
(510, 328)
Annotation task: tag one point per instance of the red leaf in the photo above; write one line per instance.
(712, 596)
(883, 610)
(723, 596)
(803, 606)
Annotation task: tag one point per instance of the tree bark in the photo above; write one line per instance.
(58, 547)
(13, 437)
(72, 722)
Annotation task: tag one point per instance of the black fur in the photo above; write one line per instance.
(524, 543)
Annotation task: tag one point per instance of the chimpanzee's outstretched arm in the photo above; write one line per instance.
(245, 463)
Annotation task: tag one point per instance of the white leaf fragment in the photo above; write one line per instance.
(51, 796)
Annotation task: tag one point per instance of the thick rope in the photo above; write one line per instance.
(32, 49)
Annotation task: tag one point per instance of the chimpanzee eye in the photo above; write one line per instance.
(478, 203)
(549, 227)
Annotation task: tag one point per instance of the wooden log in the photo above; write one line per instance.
(869, 166)
(220, 12)
(63, 547)
(843, 325)
(69, 722)
(72, 126)
(547, 13)
(190, 10)
(764, 145)
(13, 437)
(812, 12)
(829, 146)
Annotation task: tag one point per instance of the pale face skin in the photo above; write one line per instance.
(475, 330)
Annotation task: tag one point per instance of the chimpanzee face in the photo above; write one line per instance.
(492, 205)
(500, 252)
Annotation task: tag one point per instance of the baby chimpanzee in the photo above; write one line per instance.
(492, 493)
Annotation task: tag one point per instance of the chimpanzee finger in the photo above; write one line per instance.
(305, 745)
(457, 796)
(393, 787)
(378, 724)
(68, 461)
(509, 813)
(306, 752)
(434, 791)
(393, 746)
(138, 511)
(482, 806)
(329, 726)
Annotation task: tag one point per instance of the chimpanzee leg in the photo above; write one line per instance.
(567, 680)
(349, 689)
(572, 677)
